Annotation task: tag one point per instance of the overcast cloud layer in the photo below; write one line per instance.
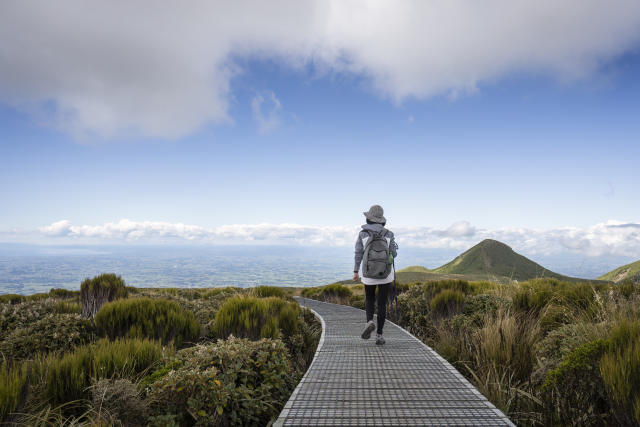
(610, 238)
(165, 69)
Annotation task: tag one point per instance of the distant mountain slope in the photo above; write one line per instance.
(494, 260)
(488, 260)
(629, 271)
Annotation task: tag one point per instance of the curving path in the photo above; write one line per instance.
(354, 382)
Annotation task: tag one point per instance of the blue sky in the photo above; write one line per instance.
(540, 146)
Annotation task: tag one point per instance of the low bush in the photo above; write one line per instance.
(13, 383)
(229, 290)
(38, 296)
(357, 301)
(311, 293)
(415, 313)
(63, 293)
(267, 291)
(534, 295)
(254, 318)
(67, 307)
(12, 299)
(100, 290)
(574, 391)
(158, 319)
(552, 316)
(67, 377)
(557, 344)
(49, 334)
(14, 316)
(302, 344)
(231, 382)
(117, 402)
(478, 307)
(335, 293)
(446, 303)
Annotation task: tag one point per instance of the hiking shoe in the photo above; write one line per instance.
(368, 329)
(379, 339)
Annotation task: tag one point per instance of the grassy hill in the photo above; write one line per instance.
(629, 271)
(493, 260)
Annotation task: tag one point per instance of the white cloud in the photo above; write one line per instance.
(109, 68)
(59, 228)
(269, 119)
(609, 238)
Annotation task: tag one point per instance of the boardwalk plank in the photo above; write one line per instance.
(353, 382)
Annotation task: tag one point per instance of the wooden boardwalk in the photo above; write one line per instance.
(352, 381)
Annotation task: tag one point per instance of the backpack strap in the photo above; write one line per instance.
(382, 233)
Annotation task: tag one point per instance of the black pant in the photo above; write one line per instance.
(369, 302)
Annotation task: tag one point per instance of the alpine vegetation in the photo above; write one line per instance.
(151, 356)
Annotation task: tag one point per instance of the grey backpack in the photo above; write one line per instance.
(375, 263)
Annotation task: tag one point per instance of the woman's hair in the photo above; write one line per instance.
(371, 222)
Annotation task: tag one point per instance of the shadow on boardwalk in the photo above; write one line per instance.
(354, 382)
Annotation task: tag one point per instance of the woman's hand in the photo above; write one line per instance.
(355, 277)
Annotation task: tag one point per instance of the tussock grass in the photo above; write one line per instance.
(267, 291)
(13, 382)
(158, 319)
(255, 318)
(100, 290)
(66, 378)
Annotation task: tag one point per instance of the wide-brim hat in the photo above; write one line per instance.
(375, 214)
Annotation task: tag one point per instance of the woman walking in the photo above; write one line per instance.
(377, 247)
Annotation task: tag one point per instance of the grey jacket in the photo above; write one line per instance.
(364, 235)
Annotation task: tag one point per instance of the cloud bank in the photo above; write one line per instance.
(608, 238)
(108, 68)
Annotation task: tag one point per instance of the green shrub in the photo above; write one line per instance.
(67, 307)
(12, 299)
(482, 287)
(254, 318)
(574, 391)
(335, 293)
(228, 290)
(13, 382)
(267, 291)
(100, 290)
(557, 344)
(302, 344)
(357, 301)
(117, 401)
(532, 296)
(536, 294)
(51, 333)
(67, 377)
(148, 318)
(415, 313)
(38, 296)
(311, 293)
(553, 316)
(231, 382)
(478, 307)
(447, 303)
(14, 316)
(63, 293)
